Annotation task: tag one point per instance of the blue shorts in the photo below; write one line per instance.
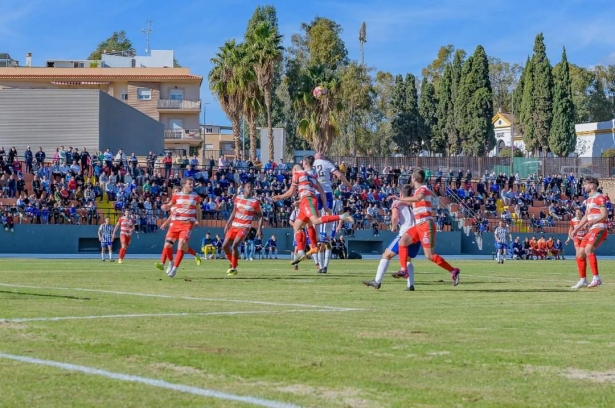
(104, 244)
(501, 245)
(328, 197)
(413, 249)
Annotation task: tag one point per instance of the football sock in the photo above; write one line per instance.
(110, 255)
(327, 256)
(582, 265)
(312, 235)
(438, 260)
(410, 280)
(382, 269)
(122, 253)
(191, 251)
(102, 256)
(179, 257)
(403, 256)
(329, 218)
(300, 240)
(234, 261)
(593, 264)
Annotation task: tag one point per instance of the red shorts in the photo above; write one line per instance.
(425, 233)
(125, 239)
(307, 209)
(594, 238)
(233, 233)
(180, 230)
(577, 241)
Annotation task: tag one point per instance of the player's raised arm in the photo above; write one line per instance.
(337, 173)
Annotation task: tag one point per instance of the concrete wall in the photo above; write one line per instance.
(49, 118)
(67, 239)
(124, 127)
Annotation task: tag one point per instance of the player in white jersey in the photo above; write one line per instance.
(325, 169)
(403, 217)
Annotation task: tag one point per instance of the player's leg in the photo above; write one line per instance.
(188, 249)
(428, 241)
(102, 251)
(383, 265)
(405, 240)
(300, 237)
(597, 238)
(581, 259)
(235, 254)
(110, 249)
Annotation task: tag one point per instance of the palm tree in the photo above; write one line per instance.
(320, 125)
(250, 94)
(224, 83)
(264, 44)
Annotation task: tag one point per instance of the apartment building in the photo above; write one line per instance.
(153, 86)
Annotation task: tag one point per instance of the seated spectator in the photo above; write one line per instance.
(7, 221)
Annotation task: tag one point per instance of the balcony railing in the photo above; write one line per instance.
(179, 104)
(186, 134)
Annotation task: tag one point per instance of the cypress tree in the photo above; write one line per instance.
(518, 98)
(527, 109)
(463, 99)
(563, 138)
(446, 136)
(542, 94)
(399, 125)
(413, 118)
(427, 108)
(479, 128)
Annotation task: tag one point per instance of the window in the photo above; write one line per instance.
(209, 146)
(124, 96)
(176, 95)
(193, 151)
(144, 94)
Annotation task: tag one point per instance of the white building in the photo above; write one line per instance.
(156, 59)
(592, 138)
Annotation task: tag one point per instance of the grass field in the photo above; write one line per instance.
(509, 335)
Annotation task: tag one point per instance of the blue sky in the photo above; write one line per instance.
(403, 36)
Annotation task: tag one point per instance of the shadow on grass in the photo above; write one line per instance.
(35, 295)
(510, 290)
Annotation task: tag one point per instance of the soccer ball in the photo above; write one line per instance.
(211, 257)
(319, 92)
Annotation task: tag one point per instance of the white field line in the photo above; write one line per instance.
(146, 315)
(155, 295)
(523, 279)
(204, 392)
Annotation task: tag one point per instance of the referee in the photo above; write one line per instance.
(502, 238)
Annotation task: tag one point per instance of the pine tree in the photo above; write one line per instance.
(463, 99)
(447, 136)
(480, 134)
(563, 138)
(427, 108)
(542, 94)
(414, 120)
(527, 109)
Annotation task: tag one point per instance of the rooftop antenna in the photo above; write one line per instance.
(147, 31)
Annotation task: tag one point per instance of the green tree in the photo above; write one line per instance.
(428, 106)
(358, 95)
(542, 94)
(563, 138)
(517, 97)
(475, 101)
(118, 42)
(225, 83)
(250, 94)
(317, 58)
(503, 77)
(526, 113)
(606, 76)
(264, 44)
(434, 71)
(447, 137)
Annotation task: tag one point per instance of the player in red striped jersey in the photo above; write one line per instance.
(126, 225)
(306, 184)
(246, 210)
(424, 231)
(185, 206)
(578, 237)
(595, 220)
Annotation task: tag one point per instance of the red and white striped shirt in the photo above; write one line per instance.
(185, 206)
(245, 211)
(126, 225)
(422, 209)
(573, 224)
(305, 182)
(594, 204)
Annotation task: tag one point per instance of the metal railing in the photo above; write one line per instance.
(184, 134)
(179, 104)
